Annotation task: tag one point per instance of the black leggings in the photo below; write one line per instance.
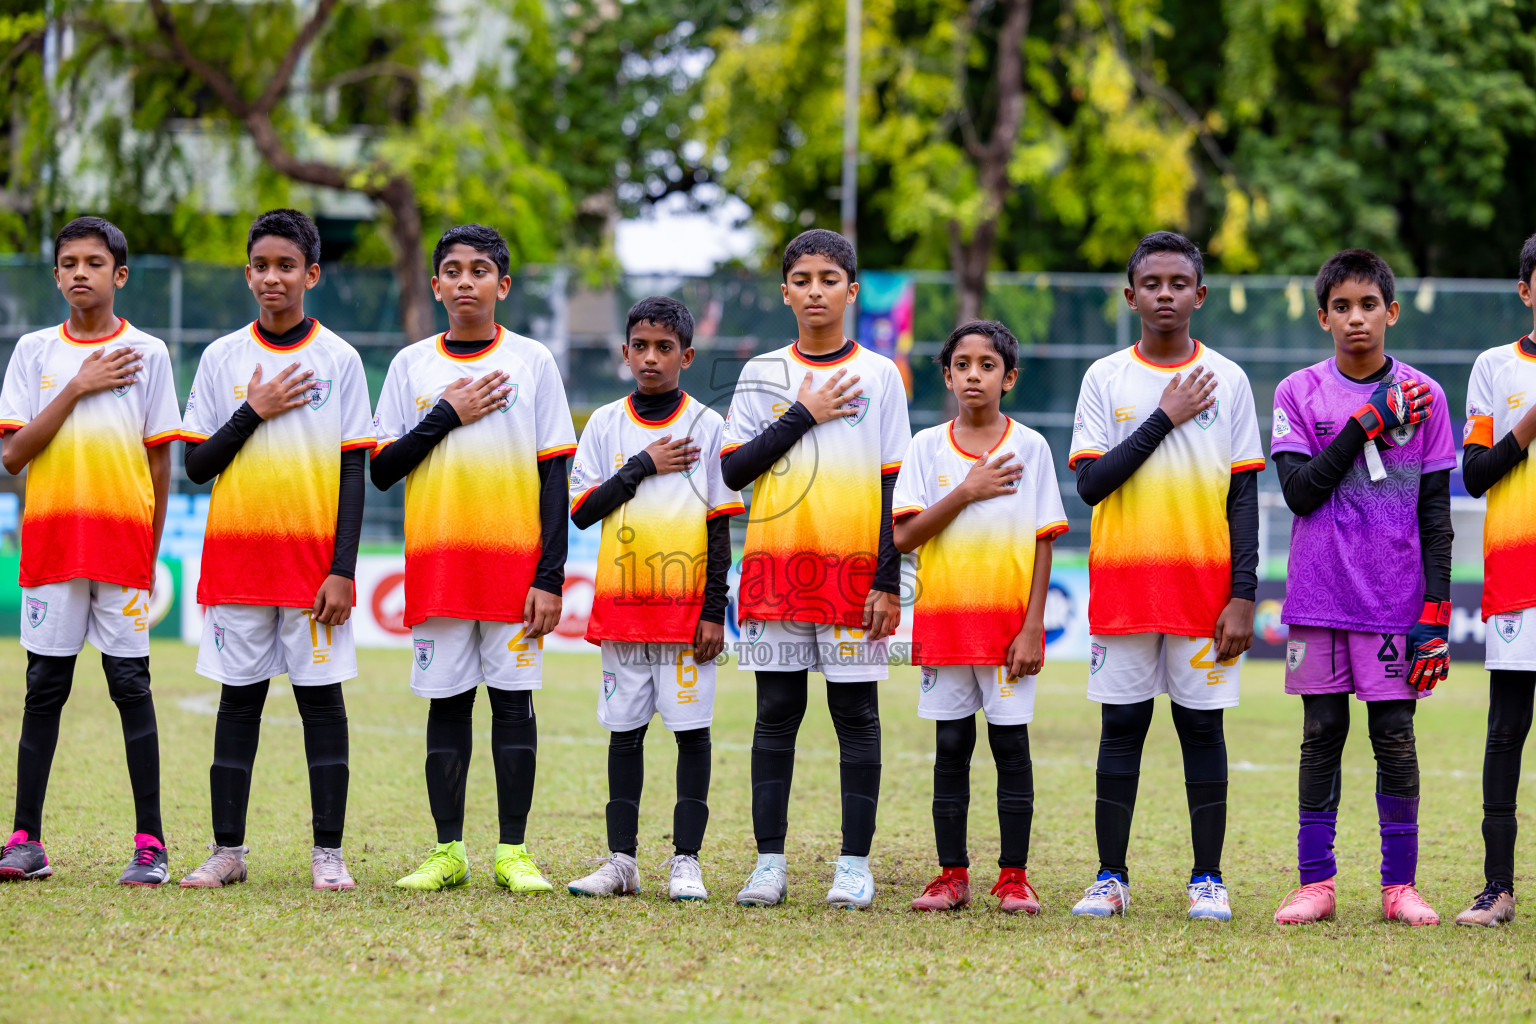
(49, 681)
(954, 742)
(626, 780)
(235, 738)
(855, 708)
(1509, 722)
(1326, 727)
(1123, 733)
(514, 753)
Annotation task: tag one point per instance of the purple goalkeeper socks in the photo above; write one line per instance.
(1399, 838)
(1314, 846)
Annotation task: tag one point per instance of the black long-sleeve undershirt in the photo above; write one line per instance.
(717, 569)
(1098, 478)
(887, 559)
(1482, 467)
(554, 488)
(1435, 534)
(205, 460)
(395, 460)
(757, 456)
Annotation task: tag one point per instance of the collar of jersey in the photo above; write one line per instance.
(794, 351)
(1136, 355)
(949, 433)
(442, 348)
(122, 326)
(314, 329)
(629, 407)
(1519, 349)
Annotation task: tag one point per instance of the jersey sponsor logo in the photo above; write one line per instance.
(1295, 653)
(861, 409)
(1205, 417)
(218, 637)
(610, 684)
(930, 678)
(1282, 424)
(1508, 625)
(47, 380)
(424, 652)
(1125, 414)
(510, 394)
(37, 611)
(755, 630)
(318, 393)
(1322, 428)
(1474, 410)
(192, 398)
(1077, 422)
(944, 480)
(576, 468)
(424, 402)
(1096, 655)
(1516, 400)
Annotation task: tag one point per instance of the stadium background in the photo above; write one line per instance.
(1064, 322)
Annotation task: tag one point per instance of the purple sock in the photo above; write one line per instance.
(1399, 838)
(1314, 846)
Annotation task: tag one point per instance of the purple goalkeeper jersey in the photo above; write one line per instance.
(1355, 560)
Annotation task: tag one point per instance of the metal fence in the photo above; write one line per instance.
(1065, 321)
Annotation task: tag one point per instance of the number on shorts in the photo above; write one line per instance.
(526, 658)
(137, 609)
(1216, 673)
(847, 648)
(1004, 684)
(687, 677)
(322, 652)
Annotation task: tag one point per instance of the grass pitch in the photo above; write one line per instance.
(79, 947)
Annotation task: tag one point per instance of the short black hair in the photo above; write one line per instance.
(821, 242)
(1003, 342)
(1528, 259)
(660, 311)
(1165, 241)
(289, 224)
(94, 227)
(1354, 265)
(484, 240)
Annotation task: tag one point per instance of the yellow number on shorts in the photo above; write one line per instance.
(525, 657)
(137, 609)
(687, 677)
(1216, 671)
(321, 653)
(1004, 684)
(847, 648)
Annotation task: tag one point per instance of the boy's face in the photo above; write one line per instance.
(1527, 295)
(82, 268)
(469, 284)
(1357, 317)
(818, 290)
(975, 373)
(277, 274)
(655, 357)
(1165, 291)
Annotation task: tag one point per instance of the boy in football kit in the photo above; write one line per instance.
(982, 525)
(819, 427)
(278, 413)
(658, 612)
(1501, 422)
(1166, 449)
(476, 423)
(88, 406)
(1368, 582)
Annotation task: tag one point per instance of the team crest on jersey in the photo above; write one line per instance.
(37, 611)
(755, 630)
(1508, 626)
(510, 394)
(1205, 417)
(1295, 652)
(218, 637)
(610, 684)
(861, 407)
(123, 389)
(1400, 436)
(423, 653)
(930, 678)
(318, 393)
(1096, 655)
(1282, 423)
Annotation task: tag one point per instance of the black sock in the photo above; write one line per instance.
(1122, 734)
(515, 753)
(324, 712)
(1510, 698)
(1015, 792)
(781, 698)
(953, 743)
(128, 685)
(1203, 741)
(855, 711)
(690, 815)
(450, 741)
(626, 780)
(236, 733)
(48, 684)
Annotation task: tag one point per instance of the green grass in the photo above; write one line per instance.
(79, 947)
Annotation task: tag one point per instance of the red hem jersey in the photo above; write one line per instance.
(271, 534)
(653, 555)
(1160, 554)
(472, 526)
(974, 576)
(90, 501)
(813, 529)
(1502, 388)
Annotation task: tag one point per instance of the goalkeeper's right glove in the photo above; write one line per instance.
(1393, 405)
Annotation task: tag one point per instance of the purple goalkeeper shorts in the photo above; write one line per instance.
(1372, 666)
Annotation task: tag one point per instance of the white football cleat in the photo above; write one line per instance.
(616, 876)
(853, 886)
(1104, 898)
(687, 878)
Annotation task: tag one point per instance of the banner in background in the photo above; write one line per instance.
(1466, 632)
(886, 302)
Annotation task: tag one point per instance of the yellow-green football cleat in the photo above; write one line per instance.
(515, 870)
(446, 868)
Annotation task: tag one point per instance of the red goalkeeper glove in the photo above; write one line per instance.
(1429, 646)
(1393, 405)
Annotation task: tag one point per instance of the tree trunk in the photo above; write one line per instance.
(418, 312)
(971, 259)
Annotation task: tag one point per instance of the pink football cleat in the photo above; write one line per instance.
(1403, 903)
(1313, 902)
